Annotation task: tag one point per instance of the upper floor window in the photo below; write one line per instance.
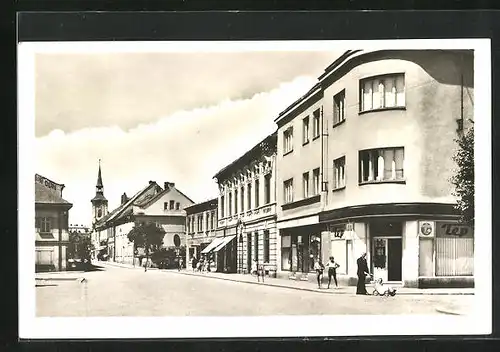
(257, 193)
(339, 107)
(235, 201)
(222, 199)
(267, 188)
(305, 184)
(249, 196)
(288, 190)
(171, 204)
(44, 224)
(213, 220)
(207, 216)
(305, 130)
(339, 173)
(316, 125)
(378, 165)
(229, 212)
(165, 206)
(316, 181)
(387, 91)
(200, 222)
(288, 140)
(242, 198)
(177, 206)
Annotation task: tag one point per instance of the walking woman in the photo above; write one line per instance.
(319, 267)
(362, 272)
(332, 266)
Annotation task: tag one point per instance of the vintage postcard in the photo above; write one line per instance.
(236, 189)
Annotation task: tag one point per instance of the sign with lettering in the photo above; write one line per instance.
(47, 183)
(450, 229)
(426, 228)
(337, 232)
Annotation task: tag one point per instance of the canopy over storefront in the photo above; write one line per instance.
(224, 242)
(212, 245)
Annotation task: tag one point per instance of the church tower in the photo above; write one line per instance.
(99, 202)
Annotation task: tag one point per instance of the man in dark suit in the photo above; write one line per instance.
(362, 272)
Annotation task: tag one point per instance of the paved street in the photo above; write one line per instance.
(115, 291)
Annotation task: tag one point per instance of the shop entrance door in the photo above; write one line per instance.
(387, 257)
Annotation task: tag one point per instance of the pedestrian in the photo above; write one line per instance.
(362, 273)
(181, 263)
(319, 267)
(332, 266)
(194, 263)
(255, 269)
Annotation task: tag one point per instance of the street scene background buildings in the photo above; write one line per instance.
(356, 160)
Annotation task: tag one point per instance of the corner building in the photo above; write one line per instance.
(364, 162)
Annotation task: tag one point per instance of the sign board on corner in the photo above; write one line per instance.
(426, 228)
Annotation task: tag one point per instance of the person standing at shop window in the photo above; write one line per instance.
(332, 266)
(319, 267)
(362, 273)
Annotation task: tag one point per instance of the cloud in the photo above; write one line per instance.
(75, 91)
(186, 147)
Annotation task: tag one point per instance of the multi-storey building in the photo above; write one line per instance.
(51, 225)
(364, 161)
(162, 206)
(247, 208)
(201, 225)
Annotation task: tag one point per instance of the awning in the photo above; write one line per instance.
(212, 245)
(225, 241)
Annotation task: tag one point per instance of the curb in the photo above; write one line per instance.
(449, 311)
(81, 279)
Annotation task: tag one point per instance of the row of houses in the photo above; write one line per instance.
(360, 163)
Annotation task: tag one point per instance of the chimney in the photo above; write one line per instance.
(169, 185)
(124, 198)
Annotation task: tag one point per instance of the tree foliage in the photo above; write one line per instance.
(80, 245)
(463, 180)
(146, 235)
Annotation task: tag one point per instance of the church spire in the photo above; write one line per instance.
(99, 177)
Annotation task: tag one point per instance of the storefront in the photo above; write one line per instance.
(300, 249)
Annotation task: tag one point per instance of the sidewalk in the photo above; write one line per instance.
(298, 285)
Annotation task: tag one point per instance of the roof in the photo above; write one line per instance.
(98, 196)
(200, 207)
(99, 177)
(48, 191)
(268, 144)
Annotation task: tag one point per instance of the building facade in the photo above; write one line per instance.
(364, 162)
(201, 226)
(247, 208)
(51, 225)
(162, 206)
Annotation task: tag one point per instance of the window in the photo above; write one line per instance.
(316, 181)
(172, 204)
(213, 220)
(338, 249)
(288, 191)
(242, 199)
(379, 165)
(267, 188)
(380, 92)
(257, 191)
(339, 173)
(177, 206)
(286, 260)
(288, 140)
(249, 196)
(207, 215)
(230, 205)
(44, 224)
(200, 222)
(316, 129)
(266, 246)
(339, 107)
(256, 247)
(235, 202)
(305, 130)
(165, 206)
(222, 199)
(305, 184)
(454, 252)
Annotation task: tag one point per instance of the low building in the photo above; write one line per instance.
(201, 225)
(364, 162)
(51, 225)
(247, 209)
(162, 206)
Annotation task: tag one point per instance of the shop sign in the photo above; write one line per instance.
(453, 229)
(426, 228)
(337, 232)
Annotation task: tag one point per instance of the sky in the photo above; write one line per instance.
(177, 117)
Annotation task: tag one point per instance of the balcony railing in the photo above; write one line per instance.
(249, 215)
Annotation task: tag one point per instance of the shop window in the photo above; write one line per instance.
(286, 248)
(314, 251)
(454, 250)
(379, 255)
(382, 92)
(256, 246)
(378, 165)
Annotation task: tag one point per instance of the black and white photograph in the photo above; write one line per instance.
(260, 188)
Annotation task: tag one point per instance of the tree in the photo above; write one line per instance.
(463, 180)
(146, 235)
(80, 245)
